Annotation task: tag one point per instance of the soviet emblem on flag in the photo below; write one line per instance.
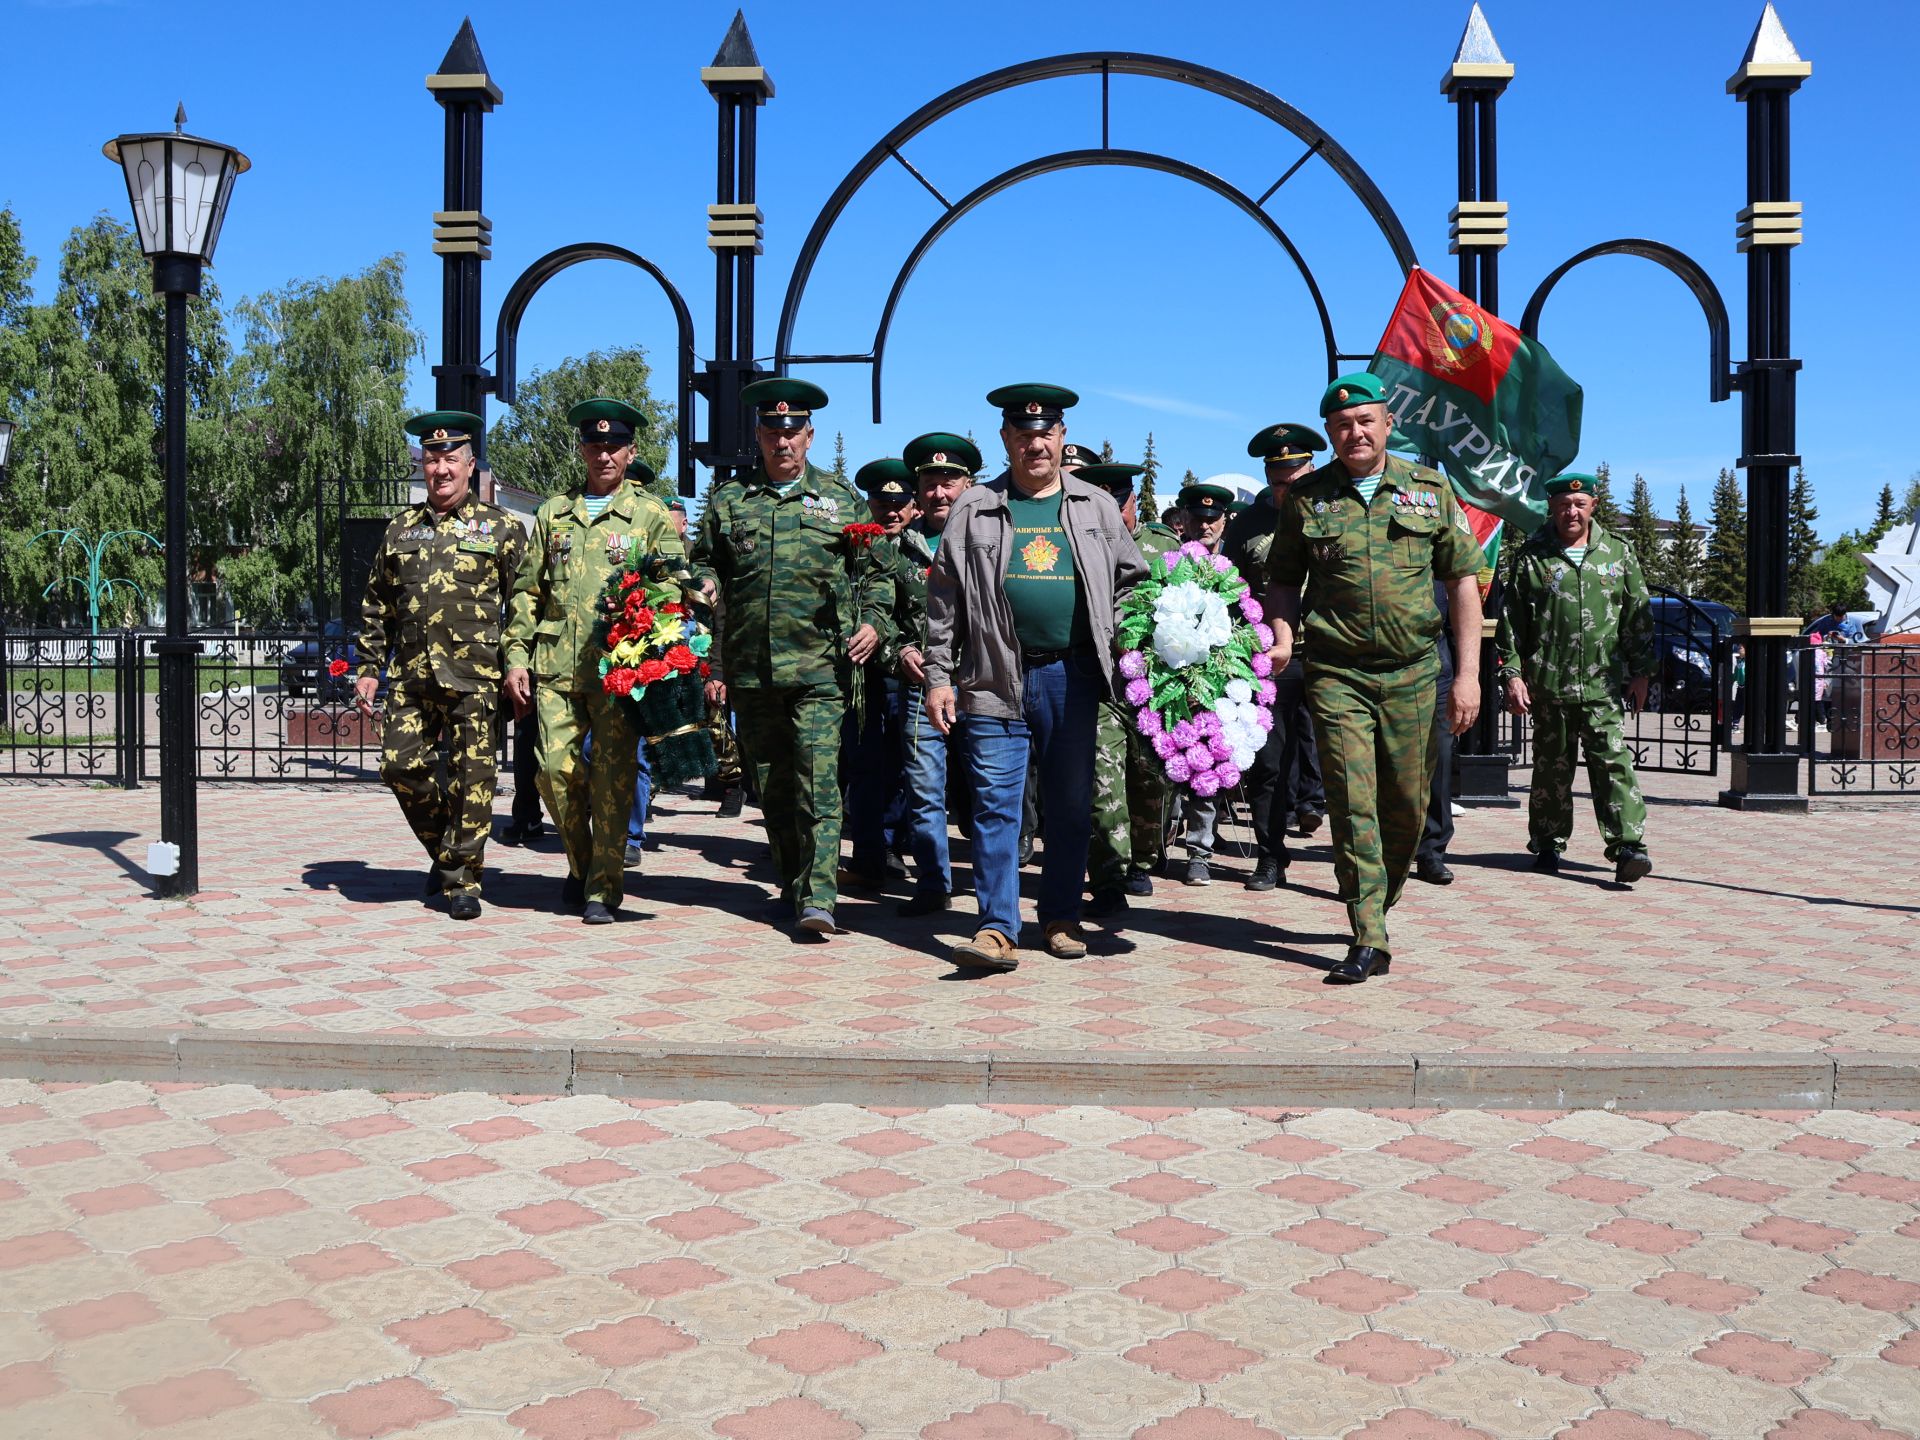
(1458, 335)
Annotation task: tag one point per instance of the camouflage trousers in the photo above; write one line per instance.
(790, 735)
(1375, 730)
(725, 748)
(450, 816)
(1129, 803)
(1595, 728)
(589, 802)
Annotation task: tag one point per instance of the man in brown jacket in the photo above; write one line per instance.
(1021, 612)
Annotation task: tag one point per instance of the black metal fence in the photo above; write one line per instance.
(271, 707)
(1859, 711)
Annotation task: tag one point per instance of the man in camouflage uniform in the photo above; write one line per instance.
(872, 753)
(1575, 637)
(1129, 792)
(1372, 532)
(1286, 451)
(431, 618)
(796, 622)
(580, 539)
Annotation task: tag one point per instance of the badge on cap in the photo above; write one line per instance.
(939, 457)
(602, 426)
(1576, 485)
(781, 408)
(1341, 394)
(1033, 407)
(440, 434)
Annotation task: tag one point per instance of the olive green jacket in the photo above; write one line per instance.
(1577, 633)
(556, 600)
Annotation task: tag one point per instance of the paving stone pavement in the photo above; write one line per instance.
(221, 1261)
(1759, 933)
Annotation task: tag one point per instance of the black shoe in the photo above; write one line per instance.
(464, 907)
(1547, 862)
(732, 802)
(1631, 864)
(596, 914)
(923, 905)
(896, 867)
(1434, 871)
(573, 893)
(1198, 873)
(1106, 902)
(1266, 875)
(1309, 821)
(1026, 853)
(1362, 961)
(1139, 882)
(633, 856)
(434, 883)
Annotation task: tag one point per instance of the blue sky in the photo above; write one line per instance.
(1165, 307)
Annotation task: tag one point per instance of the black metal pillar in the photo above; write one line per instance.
(176, 277)
(462, 234)
(739, 85)
(1474, 84)
(1766, 772)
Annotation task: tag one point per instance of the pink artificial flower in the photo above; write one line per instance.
(1184, 734)
(1221, 564)
(1229, 775)
(1177, 769)
(1263, 717)
(1199, 757)
(1165, 748)
(1218, 747)
(1206, 724)
(1262, 664)
(1206, 784)
(1139, 692)
(1250, 610)
(1265, 692)
(1149, 724)
(1133, 665)
(1263, 632)
(1194, 550)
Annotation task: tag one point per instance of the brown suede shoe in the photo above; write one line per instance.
(988, 950)
(1065, 940)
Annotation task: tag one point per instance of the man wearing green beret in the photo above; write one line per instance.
(580, 539)
(1129, 793)
(805, 603)
(1371, 533)
(431, 620)
(871, 753)
(1576, 640)
(1286, 768)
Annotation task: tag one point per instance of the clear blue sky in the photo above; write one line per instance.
(1167, 309)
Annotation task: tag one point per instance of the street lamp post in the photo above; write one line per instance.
(179, 186)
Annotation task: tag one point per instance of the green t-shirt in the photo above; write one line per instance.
(1042, 588)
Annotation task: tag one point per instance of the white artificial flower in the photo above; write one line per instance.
(1188, 623)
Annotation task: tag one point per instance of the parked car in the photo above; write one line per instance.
(308, 666)
(1686, 633)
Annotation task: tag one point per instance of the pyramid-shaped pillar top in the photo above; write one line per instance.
(462, 75)
(736, 67)
(1771, 62)
(1478, 63)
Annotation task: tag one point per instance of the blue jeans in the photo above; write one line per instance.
(927, 798)
(1060, 711)
(642, 792)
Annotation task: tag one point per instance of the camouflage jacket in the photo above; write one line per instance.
(436, 592)
(1249, 541)
(1155, 539)
(556, 599)
(913, 558)
(1371, 567)
(1577, 633)
(794, 592)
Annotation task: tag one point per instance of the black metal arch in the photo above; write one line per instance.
(1105, 65)
(506, 377)
(1719, 346)
(1073, 159)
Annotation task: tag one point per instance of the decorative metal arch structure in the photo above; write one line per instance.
(1105, 64)
(1677, 262)
(505, 381)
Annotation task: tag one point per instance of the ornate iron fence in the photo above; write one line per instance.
(1860, 719)
(71, 705)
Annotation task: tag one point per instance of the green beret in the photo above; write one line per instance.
(783, 403)
(1572, 483)
(1350, 390)
(1206, 497)
(642, 474)
(601, 421)
(943, 450)
(1116, 480)
(888, 479)
(1031, 406)
(1286, 443)
(674, 502)
(444, 429)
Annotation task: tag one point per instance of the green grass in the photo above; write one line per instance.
(11, 739)
(104, 679)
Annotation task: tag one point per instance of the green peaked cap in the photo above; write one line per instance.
(1287, 441)
(643, 473)
(605, 421)
(1115, 479)
(782, 403)
(942, 450)
(444, 429)
(1205, 497)
(1032, 406)
(887, 479)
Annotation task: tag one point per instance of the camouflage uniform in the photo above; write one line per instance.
(434, 598)
(1371, 662)
(785, 575)
(1129, 792)
(1577, 633)
(726, 750)
(555, 610)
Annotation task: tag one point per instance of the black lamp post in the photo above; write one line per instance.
(179, 186)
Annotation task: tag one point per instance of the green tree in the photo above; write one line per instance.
(1606, 510)
(1841, 574)
(1883, 516)
(840, 456)
(1683, 553)
(533, 448)
(320, 389)
(1909, 510)
(1803, 542)
(1149, 506)
(20, 505)
(1724, 577)
(1643, 533)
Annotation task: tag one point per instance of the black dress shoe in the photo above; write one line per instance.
(464, 907)
(1139, 882)
(731, 803)
(1547, 862)
(923, 905)
(1362, 962)
(573, 892)
(1631, 864)
(596, 914)
(1266, 875)
(1309, 821)
(1106, 902)
(1434, 872)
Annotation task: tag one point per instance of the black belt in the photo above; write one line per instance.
(1032, 659)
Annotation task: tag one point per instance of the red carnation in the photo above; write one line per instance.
(630, 579)
(673, 607)
(652, 670)
(338, 668)
(619, 682)
(682, 659)
(705, 670)
(640, 618)
(862, 534)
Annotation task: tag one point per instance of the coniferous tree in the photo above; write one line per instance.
(1803, 590)
(1606, 510)
(840, 456)
(1683, 555)
(1149, 507)
(1724, 577)
(1643, 534)
(1909, 510)
(1883, 515)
